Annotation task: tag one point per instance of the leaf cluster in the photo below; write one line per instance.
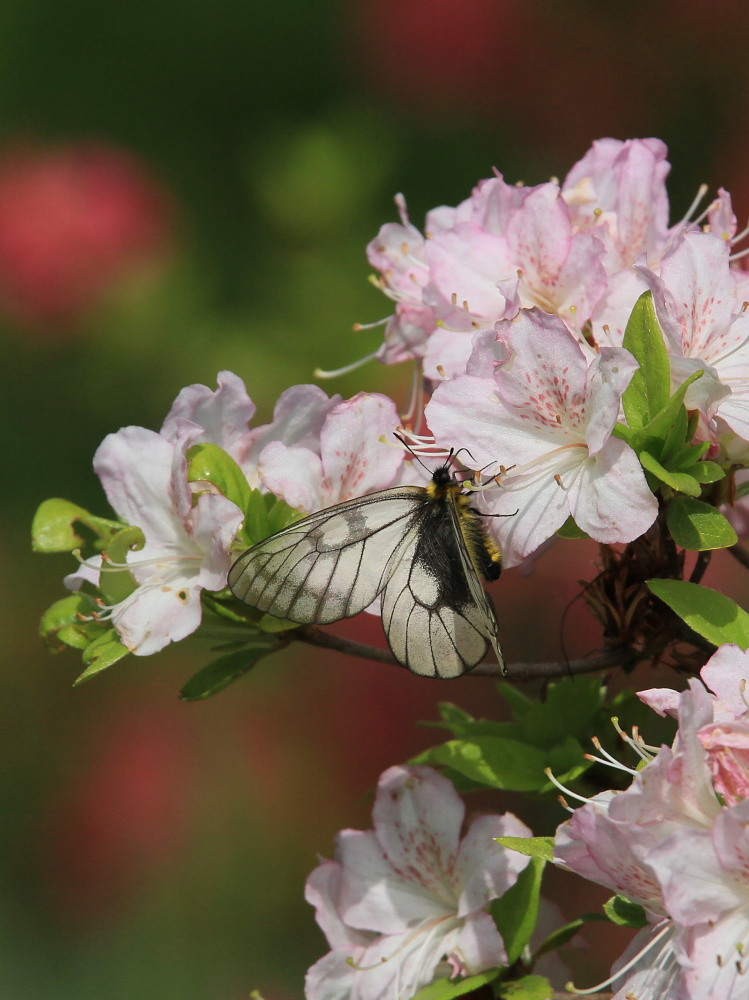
(661, 432)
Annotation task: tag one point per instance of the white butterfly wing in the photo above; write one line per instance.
(428, 630)
(330, 565)
(483, 615)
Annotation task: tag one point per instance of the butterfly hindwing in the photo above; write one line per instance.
(436, 616)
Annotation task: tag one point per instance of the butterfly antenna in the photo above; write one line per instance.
(410, 450)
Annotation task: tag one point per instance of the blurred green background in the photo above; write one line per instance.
(186, 187)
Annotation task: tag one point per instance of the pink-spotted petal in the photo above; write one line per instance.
(377, 896)
(358, 448)
(417, 817)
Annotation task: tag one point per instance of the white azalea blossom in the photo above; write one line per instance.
(187, 538)
(405, 903)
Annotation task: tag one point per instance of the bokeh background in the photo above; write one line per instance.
(189, 186)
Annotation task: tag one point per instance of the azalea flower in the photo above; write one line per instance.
(187, 538)
(405, 903)
(544, 414)
(356, 453)
(618, 190)
(568, 249)
(677, 841)
(706, 326)
(225, 415)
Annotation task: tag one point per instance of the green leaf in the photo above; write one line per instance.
(570, 530)
(116, 581)
(446, 989)
(712, 615)
(698, 526)
(516, 912)
(647, 393)
(682, 482)
(707, 472)
(61, 624)
(52, 529)
(661, 423)
(624, 912)
(520, 704)
(563, 935)
(211, 464)
(675, 439)
(532, 847)
(227, 669)
(100, 654)
(492, 761)
(569, 709)
(453, 717)
(265, 514)
(527, 988)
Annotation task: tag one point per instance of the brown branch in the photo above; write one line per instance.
(740, 554)
(621, 656)
(326, 640)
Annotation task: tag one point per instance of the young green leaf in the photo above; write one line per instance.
(527, 988)
(647, 393)
(115, 581)
(492, 761)
(571, 531)
(698, 526)
(712, 615)
(447, 989)
(680, 481)
(62, 624)
(534, 847)
(265, 514)
(516, 912)
(210, 464)
(53, 527)
(706, 472)
(100, 654)
(624, 912)
(563, 935)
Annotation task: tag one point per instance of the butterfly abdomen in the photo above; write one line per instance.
(484, 553)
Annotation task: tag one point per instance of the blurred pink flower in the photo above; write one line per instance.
(73, 219)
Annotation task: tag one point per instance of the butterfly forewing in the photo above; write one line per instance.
(330, 565)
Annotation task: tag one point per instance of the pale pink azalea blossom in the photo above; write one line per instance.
(618, 189)
(225, 415)
(405, 903)
(557, 269)
(547, 416)
(724, 732)
(706, 326)
(672, 844)
(187, 538)
(357, 453)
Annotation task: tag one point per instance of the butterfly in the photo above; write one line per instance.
(418, 548)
